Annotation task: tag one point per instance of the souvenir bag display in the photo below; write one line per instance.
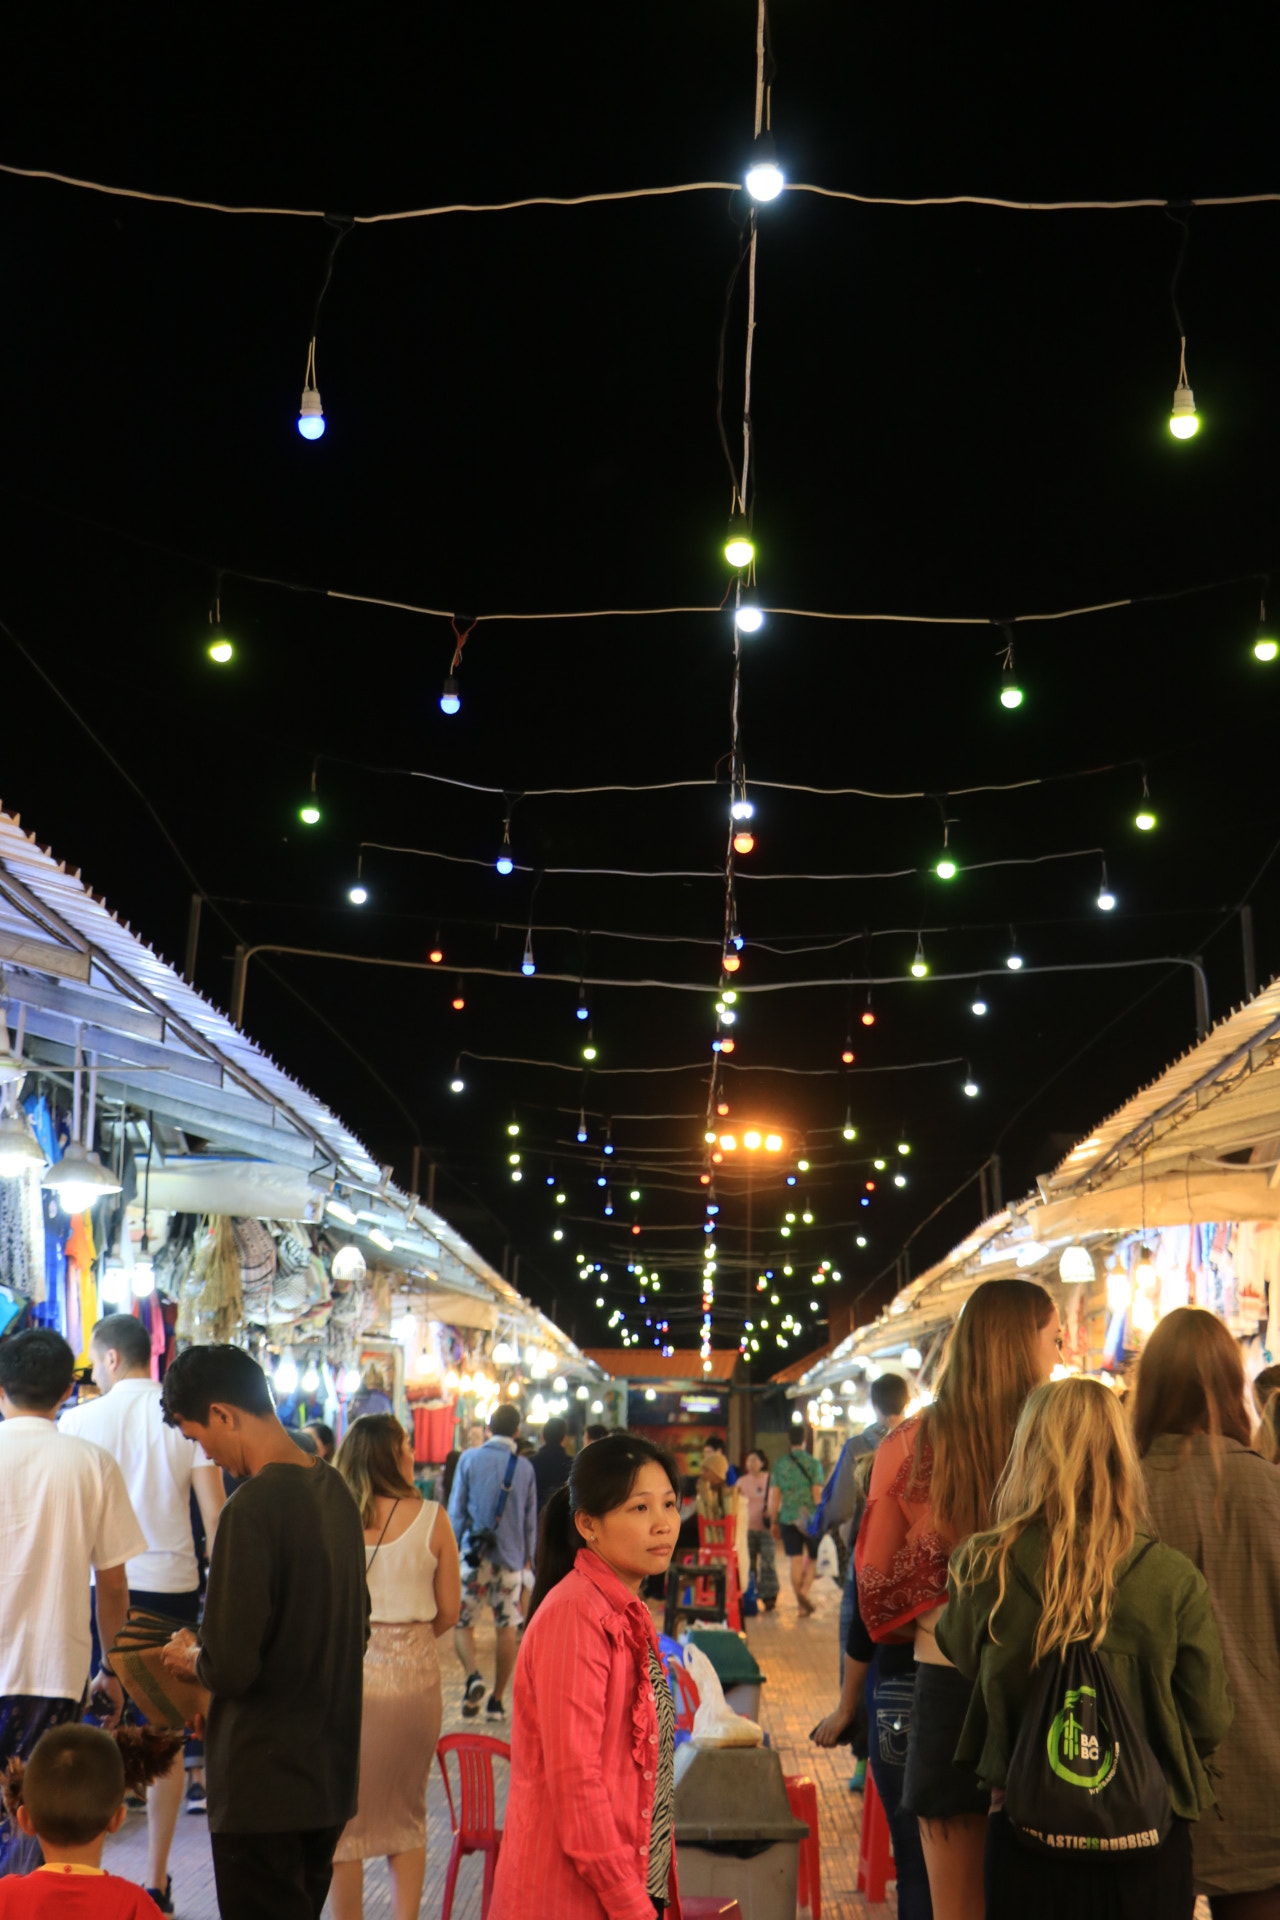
(1082, 1777)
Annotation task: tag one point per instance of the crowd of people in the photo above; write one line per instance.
(1060, 1629)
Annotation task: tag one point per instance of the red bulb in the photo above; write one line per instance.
(743, 841)
(847, 1056)
(868, 1018)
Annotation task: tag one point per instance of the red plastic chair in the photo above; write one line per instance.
(802, 1796)
(475, 1830)
(684, 1695)
(709, 1907)
(875, 1852)
(717, 1542)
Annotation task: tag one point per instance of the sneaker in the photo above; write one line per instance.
(163, 1896)
(197, 1800)
(495, 1709)
(472, 1695)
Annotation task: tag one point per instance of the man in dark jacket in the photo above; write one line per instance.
(551, 1463)
(281, 1647)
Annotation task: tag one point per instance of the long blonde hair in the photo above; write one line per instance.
(369, 1462)
(991, 1366)
(1074, 1471)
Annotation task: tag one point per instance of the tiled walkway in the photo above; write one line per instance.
(799, 1659)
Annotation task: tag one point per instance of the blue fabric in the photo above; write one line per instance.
(23, 1718)
(477, 1486)
(889, 1698)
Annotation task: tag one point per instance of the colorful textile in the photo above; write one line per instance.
(798, 1478)
(498, 1587)
(901, 1556)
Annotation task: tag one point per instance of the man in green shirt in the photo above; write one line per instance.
(793, 1498)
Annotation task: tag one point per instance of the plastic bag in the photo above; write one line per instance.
(828, 1558)
(715, 1724)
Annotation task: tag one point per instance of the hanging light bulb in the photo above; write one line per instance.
(1106, 899)
(730, 960)
(979, 1006)
(79, 1179)
(309, 811)
(919, 966)
(1183, 421)
(457, 1084)
(748, 616)
(1265, 644)
(582, 1010)
(589, 1052)
(739, 547)
(311, 1378)
(450, 699)
(847, 1056)
(764, 178)
(849, 1131)
(970, 1084)
(582, 1125)
(1144, 819)
(504, 862)
(946, 867)
(310, 413)
(459, 1000)
(744, 840)
(436, 955)
(220, 648)
(527, 966)
(286, 1378)
(357, 894)
(1014, 962)
(742, 808)
(868, 1014)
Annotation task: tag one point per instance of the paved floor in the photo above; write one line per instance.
(798, 1656)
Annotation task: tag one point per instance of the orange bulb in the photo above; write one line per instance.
(743, 841)
(435, 956)
(722, 1106)
(706, 1177)
(728, 1142)
(458, 1003)
(726, 1046)
(847, 1056)
(732, 961)
(635, 1228)
(868, 1018)
(716, 1157)
(871, 1186)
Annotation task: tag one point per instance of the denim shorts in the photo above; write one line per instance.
(794, 1543)
(934, 1787)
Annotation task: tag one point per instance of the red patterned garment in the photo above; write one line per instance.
(901, 1557)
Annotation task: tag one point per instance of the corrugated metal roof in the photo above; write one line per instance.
(82, 974)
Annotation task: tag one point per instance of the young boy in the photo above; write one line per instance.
(72, 1791)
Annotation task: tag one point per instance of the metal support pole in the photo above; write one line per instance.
(1250, 960)
(417, 1161)
(193, 938)
(431, 1186)
(1202, 998)
(984, 1200)
(515, 1271)
(997, 1191)
(239, 968)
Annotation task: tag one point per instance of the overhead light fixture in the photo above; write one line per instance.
(311, 1378)
(79, 1179)
(739, 547)
(1076, 1268)
(220, 648)
(459, 1000)
(450, 699)
(742, 808)
(285, 1378)
(764, 178)
(19, 1148)
(381, 1239)
(582, 1010)
(309, 811)
(946, 868)
(339, 1210)
(457, 1083)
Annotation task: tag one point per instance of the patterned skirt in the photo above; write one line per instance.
(398, 1734)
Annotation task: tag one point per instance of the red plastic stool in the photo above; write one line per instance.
(875, 1853)
(802, 1796)
(715, 1908)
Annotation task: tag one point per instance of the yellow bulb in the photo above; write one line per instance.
(751, 1140)
(1265, 649)
(773, 1143)
(710, 1138)
(739, 551)
(918, 969)
(221, 651)
(1183, 426)
(1144, 821)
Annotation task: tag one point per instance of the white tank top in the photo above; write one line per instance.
(402, 1579)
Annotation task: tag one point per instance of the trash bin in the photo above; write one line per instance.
(736, 1836)
(736, 1670)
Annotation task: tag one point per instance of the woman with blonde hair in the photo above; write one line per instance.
(1071, 1561)
(415, 1590)
(932, 1485)
(1217, 1501)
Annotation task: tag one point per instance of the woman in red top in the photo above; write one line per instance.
(933, 1485)
(589, 1831)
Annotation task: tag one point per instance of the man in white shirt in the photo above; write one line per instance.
(64, 1509)
(161, 1471)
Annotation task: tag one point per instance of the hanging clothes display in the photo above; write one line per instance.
(82, 1287)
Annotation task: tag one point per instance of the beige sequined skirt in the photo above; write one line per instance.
(398, 1734)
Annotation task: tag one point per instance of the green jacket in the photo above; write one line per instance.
(1162, 1644)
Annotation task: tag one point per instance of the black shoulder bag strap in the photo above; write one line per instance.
(381, 1537)
(507, 1478)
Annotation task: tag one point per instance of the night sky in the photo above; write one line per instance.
(956, 411)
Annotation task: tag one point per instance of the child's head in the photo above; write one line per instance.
(73, 1787)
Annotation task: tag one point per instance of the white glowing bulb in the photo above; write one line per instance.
(286, 1378)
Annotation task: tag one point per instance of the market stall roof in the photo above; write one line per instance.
(74, 973)
(787, 1376)
(687, 1367)
(1200, 1142)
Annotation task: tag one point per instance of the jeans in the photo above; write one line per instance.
(23, 1718)
(273, 1876)
(848, 1595)
(760, 1546)
(889, 1697)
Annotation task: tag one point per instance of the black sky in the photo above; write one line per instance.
(956, 411)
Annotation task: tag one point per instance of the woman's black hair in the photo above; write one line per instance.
(600, 1479)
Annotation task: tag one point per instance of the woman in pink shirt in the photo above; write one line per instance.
(589, 1830)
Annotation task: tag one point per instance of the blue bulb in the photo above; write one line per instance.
(608, 1212)
(600, 1180)
(311, 425)
(791, 1179)
(708, 1227)
(450, 703)
(864, 1201)
(712, 1207)
(504, 863)
(608, 1147)
(527, 967)
(551, 1179)
(584, 1013)
(582, 1133)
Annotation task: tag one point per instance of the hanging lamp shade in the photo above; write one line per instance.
(19, 1148)
(13, 1068)
(79, 1179)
